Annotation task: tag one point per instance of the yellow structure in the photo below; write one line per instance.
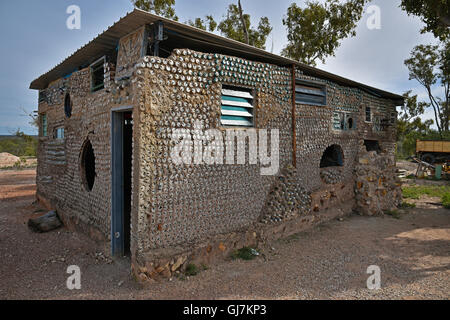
(433, 151)
(433, 146)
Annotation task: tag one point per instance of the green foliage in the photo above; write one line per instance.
(415, 191)
(410, 127)
(406, 205)
(232, 27)
(204, 267)
(316, 31)
(245, 253)
(20, 145)
(411, 108)
(446, 200)
(163, 8)
(406, 145)
(434, 13)
(191, 270)
(393, 213)
(430, 64)
(208, 23)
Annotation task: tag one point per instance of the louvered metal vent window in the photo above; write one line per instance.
(310, 93)
(237, 108)
(98, 75)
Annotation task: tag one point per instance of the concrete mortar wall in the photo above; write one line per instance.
(191, 206)
(185, 204)
(59, 179)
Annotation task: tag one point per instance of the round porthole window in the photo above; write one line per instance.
(67, 106)
(88, 165)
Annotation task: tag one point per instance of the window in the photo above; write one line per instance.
(393, 117)
(350, 123)
(67, 106)
(344, 121)
(310, 93)
(237, 108)
(44, 125)
(372, 145)
(368, 114)
(377, 123)
(88, 165)
(59, 133)
(97, 75)
(332, 157)
(42, 96)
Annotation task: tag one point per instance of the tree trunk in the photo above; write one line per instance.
(244, 26)
(437, 111)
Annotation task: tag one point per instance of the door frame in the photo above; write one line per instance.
(117, 199)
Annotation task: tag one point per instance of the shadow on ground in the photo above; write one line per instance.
(327, 262)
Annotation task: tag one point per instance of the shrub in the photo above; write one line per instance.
(245, 253)
(20, 145)
(191, 270)
(446, 200)
(393, 213)
(406, 205)
(204, 267)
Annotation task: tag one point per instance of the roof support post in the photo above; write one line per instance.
(294, 129)
(145, 45)
(158, 36)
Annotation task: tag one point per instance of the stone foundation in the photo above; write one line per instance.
(165, 263)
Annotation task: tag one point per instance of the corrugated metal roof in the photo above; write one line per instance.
(109, 39)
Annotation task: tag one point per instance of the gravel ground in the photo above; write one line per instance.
(327, 262)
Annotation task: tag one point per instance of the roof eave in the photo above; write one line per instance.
(145, 17)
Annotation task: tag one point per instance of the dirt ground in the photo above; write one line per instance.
(327, 262)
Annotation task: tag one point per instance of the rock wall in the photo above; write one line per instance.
(184, 204)
(189, 207)
(60, 181)
(377, 186)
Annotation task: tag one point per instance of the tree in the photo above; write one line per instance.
(410, 126)
(205, 24)
(429, 64)
(19, 144)
(411, 108)
(32, 117)
(243, 22)
(237, 26)
(315, 32)
(434, 13)
(163, 8)
(409, 116)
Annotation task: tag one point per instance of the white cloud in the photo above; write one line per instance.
(375, 57)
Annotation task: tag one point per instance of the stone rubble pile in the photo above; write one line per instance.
(378, 189)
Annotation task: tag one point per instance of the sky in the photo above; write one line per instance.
(35, 39)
